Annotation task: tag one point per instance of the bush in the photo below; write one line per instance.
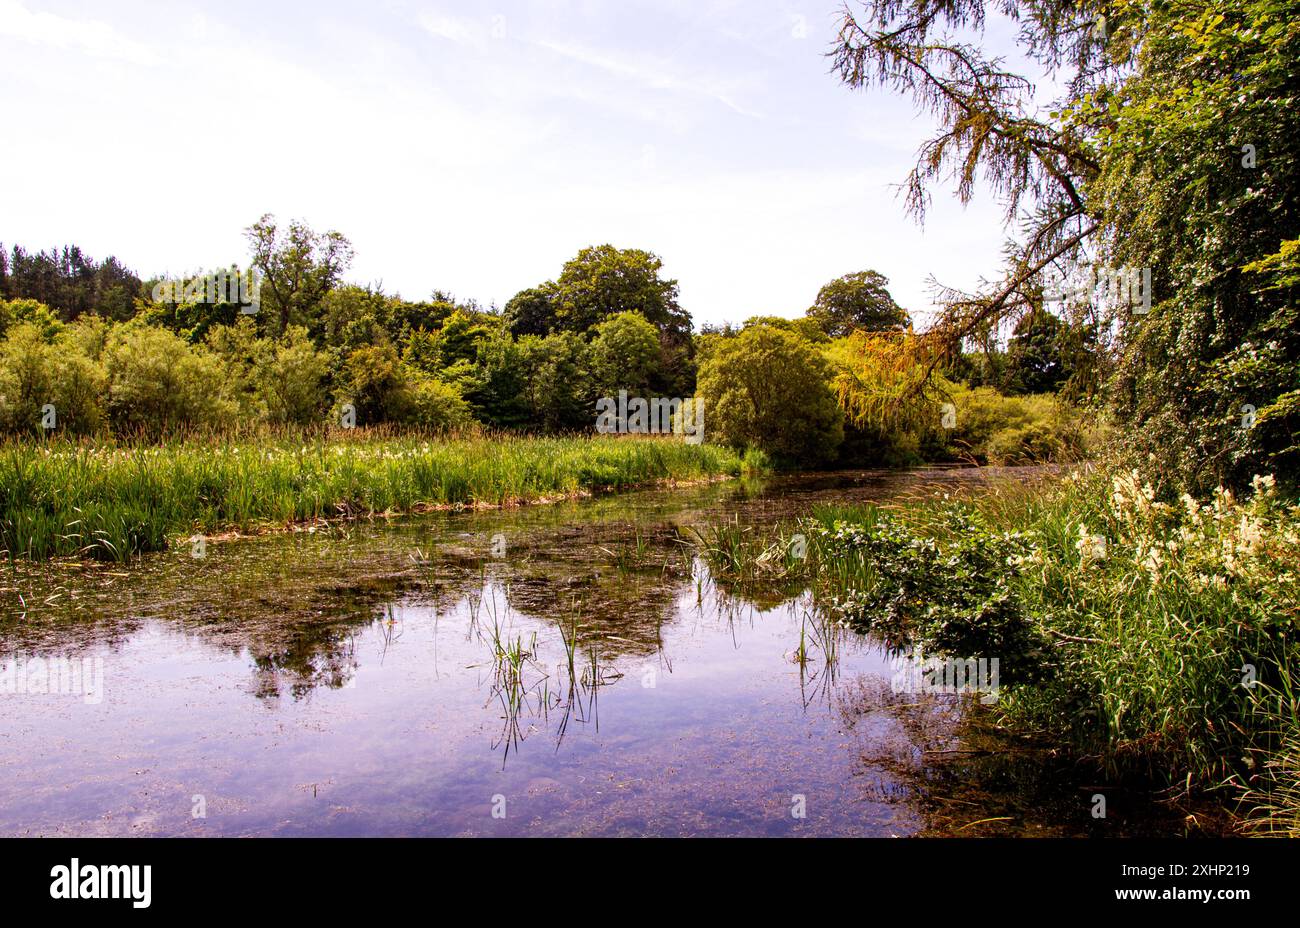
(15, 312)
(955, 599)
(35, 372)
(290, 379)
(374, 382)
(768, 388)
(996, 429)
(158, 383)
(433, 404)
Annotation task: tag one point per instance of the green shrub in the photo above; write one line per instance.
(435, 405)
(16, 312)
(158, 383)
(1155, 637)
(290, 379)
(996, 429)
(35, 372)
(954, 599)
(768, 388)
(374, 382)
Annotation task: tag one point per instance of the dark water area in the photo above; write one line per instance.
(569, 669)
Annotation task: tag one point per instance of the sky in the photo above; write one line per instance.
(475, 147)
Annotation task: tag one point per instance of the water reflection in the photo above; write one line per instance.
(393, 677)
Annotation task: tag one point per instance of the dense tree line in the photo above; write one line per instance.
(69, 282)
(305, 347)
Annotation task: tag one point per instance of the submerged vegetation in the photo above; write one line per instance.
(112, 501)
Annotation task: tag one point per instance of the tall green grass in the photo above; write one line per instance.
(1174, 656)
(112, 501)
(1146, 657)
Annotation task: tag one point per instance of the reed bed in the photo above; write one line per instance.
(113, 501)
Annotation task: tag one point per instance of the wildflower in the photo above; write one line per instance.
(1153, 560)
(1263, 486)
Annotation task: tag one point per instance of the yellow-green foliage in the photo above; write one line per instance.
(37, 372)
(768, 389)
(158, 383)
(881, 384)
(996, 429)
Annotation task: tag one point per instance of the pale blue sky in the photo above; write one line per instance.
(473, 147)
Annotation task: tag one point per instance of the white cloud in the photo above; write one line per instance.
(97, 38)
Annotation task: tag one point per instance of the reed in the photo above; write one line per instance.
(113, 501)
(1154, 637)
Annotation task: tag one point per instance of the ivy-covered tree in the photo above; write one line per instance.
(1171, 148)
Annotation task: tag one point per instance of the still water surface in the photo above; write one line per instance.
(556, 670)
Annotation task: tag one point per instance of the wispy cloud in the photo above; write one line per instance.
(570, 124)
(652, 75)
(87, 35)
(453, 28)
(470, 31)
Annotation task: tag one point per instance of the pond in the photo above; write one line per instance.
(567, 669)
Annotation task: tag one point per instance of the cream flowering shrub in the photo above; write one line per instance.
(1205, 545)
(1175, 623)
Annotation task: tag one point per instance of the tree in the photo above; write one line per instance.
(496, 382)
(70, 282)
(857, 301)
(768, 388)
(1171, 148)
(299, 267)
(459, 338)
(186, 308)
(557, 391)
(1036, 358)
(880, 380)
(625, 355)
(603, 280)
(1200, 181)
(352, 317)
(532, 311)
